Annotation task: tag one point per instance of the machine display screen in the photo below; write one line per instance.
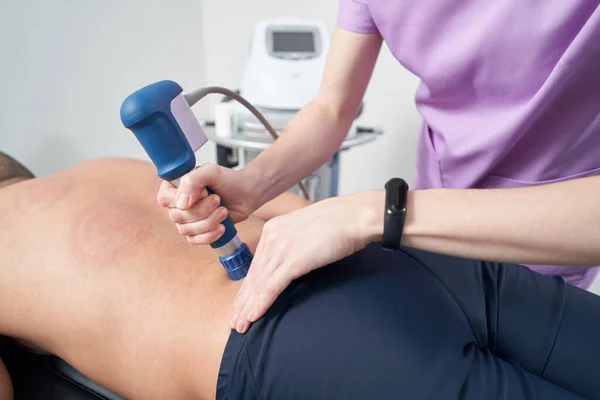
(293, 42)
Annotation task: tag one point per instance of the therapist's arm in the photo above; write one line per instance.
(550, 224)
(315, 133)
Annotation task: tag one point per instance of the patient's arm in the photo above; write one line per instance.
(5, 385)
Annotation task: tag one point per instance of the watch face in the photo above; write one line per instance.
(395, 198)
(396, 190)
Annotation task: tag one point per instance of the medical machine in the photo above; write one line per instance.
(283, 70)
(282, 74)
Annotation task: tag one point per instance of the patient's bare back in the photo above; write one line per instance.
(97, 274)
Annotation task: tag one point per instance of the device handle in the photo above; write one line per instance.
(230, 229)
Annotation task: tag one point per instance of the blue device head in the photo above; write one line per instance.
(152, 113)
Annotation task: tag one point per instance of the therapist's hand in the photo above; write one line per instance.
(294, 244)
(198, 215)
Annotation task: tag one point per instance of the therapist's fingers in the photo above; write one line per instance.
(267, 278)
(240, 300)
(206, 225)
(192, 186)
(198, 212)
(208, 237)
(166, 194)
(243, 303)
(261, 299)
(242, 324)
(244, 292)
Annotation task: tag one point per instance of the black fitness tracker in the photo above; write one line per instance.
(396, 191)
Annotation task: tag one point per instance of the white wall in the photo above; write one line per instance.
(66, 67)
(227, 36)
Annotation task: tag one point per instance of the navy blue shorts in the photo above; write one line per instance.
(415, 325)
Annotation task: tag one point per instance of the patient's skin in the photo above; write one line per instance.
(5, 384)
(94, 271)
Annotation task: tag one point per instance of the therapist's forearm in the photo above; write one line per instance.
(315, 133)
(309, 140)
(550, 224)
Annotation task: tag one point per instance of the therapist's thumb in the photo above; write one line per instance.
(192, 186)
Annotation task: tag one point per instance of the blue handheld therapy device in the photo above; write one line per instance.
(163, 122)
